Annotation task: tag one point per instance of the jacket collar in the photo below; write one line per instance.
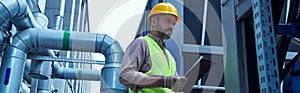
(157, 40)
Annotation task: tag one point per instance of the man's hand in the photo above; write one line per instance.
(174, 83)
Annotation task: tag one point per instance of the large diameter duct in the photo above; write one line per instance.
(14, 60)
(25, 21)
(12, 68)
(44, 86)
(11, 8)
(40, 69)
(18, 12)
(36, 38)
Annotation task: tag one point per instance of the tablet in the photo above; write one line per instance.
(199, 69)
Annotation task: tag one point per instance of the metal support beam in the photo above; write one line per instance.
(230, 44)
(69, 60)
(265, 46)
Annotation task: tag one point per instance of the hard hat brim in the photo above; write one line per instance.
(162, 12)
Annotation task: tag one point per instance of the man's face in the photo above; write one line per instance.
(165, 24)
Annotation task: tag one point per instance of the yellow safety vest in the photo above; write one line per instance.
(159, 66)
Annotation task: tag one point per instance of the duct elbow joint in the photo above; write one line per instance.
(11, 9)
(22, 7)
(24, 39)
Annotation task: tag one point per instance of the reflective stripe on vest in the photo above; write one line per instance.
(159, 66)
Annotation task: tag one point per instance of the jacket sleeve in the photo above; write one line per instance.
(133, 60)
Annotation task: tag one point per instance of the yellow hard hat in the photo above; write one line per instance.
(164, 8)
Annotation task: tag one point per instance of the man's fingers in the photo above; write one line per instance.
(180, 83)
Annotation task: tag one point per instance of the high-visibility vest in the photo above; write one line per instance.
(159, 66)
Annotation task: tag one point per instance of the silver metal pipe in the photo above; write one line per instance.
(209, 88)
(40, 69)
(113, 53)
(11, 8)
(26, 77)
(41, 19)
(25, 21)
(57, 12)
(18, 12)
(12, 68)
(44, 86)
(58, 22)
(77, 74)
(14, 58)
(32, 4)
(41, 86)
(34, 84)
(37, 38)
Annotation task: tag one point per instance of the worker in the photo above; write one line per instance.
(147, 66)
